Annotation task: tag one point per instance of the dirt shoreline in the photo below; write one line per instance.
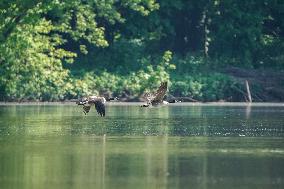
(279, 104)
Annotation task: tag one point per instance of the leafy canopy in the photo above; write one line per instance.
(34, 36)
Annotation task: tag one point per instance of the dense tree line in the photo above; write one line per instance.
(62, 49)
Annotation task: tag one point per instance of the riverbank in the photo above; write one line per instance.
(267, 104)
(202, 85)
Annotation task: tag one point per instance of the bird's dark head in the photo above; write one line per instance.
(82, 101)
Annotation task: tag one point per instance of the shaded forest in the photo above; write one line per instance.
(63, 49)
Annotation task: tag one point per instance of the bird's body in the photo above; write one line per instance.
(159, 103)
(88, 102)
(156, 99)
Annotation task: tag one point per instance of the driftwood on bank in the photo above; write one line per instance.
(183, 99)
(269, 83)
(248, 91)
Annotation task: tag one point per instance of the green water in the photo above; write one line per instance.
(179, 146)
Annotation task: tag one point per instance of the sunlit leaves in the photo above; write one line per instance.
(33, 35)
(142, 6)
(34, 69)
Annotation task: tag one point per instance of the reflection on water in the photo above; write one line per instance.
(133, 120)
(133, 147)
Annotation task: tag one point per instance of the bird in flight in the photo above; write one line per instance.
(155, 99)
(98, 102)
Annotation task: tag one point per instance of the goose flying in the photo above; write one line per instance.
(98, 102)
(156, 98)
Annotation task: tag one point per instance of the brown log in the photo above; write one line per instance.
(248, 91)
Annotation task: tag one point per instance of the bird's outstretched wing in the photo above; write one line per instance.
(86, 109)
(161, 92)
(100, 107)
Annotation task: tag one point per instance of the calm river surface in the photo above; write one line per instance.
(179, 146)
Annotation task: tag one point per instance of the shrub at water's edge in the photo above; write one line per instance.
(188, 77)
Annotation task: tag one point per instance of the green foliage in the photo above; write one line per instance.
(33, 36)
(190, 63)
(206, 87)
(31, 64)
(123, 57)
(133, 84)
(120, 47)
